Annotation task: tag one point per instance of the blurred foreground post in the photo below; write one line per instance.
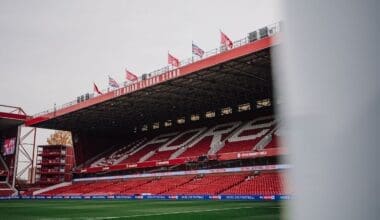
(328, 75)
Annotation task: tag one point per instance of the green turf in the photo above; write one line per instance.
(140, 209)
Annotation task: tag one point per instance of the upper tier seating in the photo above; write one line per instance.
(222, 138)
(200, 148)
(148, 149)
(211, 141)
(117, 155)
(164, 153)
(248, 136)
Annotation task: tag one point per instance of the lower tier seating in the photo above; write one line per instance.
(264, 184)
(208, 185)
(211, 184)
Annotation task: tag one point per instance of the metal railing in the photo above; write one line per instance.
(12, 109)
(271, 30)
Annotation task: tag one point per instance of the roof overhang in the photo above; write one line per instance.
(233, 77)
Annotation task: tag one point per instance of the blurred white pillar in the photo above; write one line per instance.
(328, 75)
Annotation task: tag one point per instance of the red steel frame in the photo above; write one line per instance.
(12, 112)
(18, 114)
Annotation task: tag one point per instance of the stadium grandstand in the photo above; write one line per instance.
(205, 128)
(235, 132)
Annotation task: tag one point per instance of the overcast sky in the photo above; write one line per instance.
(52, 51)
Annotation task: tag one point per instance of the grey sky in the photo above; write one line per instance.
(52, 51)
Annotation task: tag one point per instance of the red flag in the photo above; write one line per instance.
(225, 40)
(130, 76)
(97, 90)
(172, 60)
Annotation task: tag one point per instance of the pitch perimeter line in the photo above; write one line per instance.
(148, 215)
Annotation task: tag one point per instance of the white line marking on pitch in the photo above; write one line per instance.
(171, 213)
(153, 214)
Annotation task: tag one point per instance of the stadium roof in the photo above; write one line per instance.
(231, 77)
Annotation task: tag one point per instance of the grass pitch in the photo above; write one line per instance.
(136, 209)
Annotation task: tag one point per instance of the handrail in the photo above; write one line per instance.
(272, 30)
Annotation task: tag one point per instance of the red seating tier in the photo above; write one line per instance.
(239, 146)
(200, 148)
(159, 186)
(182, 139)
(210, 185)
(264, 184)
(250, 132)
(161, 155)
(142, 152)
(222, 184)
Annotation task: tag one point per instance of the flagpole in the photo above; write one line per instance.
(192, 54)
(168, 61)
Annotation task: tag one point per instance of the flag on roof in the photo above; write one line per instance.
(225, 40)
(130, 76)
(96, 89)
(197, 50)
(112, 82)
(172, 60)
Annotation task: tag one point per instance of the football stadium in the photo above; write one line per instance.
(214, 136)
(172, 134)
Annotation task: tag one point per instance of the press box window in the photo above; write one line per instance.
(244, 107)
(168, 123)
(156, 125)
(263, 103)
(210, 114)
(181, 121)
(226, 111)
(195, 117)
